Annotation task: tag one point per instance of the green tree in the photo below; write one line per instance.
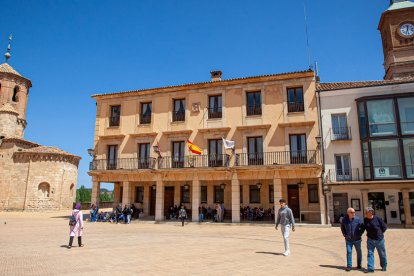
(83, 195)
(105, 197)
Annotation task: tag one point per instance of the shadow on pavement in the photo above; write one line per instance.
(334, 266)
(270, 253)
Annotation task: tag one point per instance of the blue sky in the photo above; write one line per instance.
(73, 49)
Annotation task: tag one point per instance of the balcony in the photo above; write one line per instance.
(277, 158)
(178, 116)
(145, 119)
(343, 175)
(194, 161)
(295, 107)
(215, 113)
(254, 110)
(340, 133)
(122, 164)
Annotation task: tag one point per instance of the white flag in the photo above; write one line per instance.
(228, 144)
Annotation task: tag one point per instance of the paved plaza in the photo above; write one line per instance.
(33, 244)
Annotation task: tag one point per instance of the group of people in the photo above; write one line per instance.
(257, 213)
(215, 214)
(118, 214)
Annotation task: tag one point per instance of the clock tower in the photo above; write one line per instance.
(397, 33)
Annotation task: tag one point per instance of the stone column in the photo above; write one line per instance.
(159, 201)
(322, 203)
(365, 203)
(126, 193)
(196, 198)
(277, 194)
(235, 199)
(96, 190)
(407, 208)
(117, 190)
(146, 203)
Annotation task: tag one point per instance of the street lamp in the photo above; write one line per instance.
(153, 187)
(222, 186)
(156, 149)
(300, 184)
(186, 186)
(318, 140)
(259, 185)
(91, 152)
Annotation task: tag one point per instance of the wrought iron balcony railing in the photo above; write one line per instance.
(178, 116)
(343, 175)
(254, 110)
(295, 107)
(278, 158)
(145, 119)
(340, 133)
(215, 113)
(122, 164)
(194, 161)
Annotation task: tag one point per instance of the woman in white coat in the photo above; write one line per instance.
(76, 225)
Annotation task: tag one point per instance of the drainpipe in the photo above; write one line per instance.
(322, 152)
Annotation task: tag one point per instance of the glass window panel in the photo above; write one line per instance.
(362, 120)
(203, 194)
(381, 118)
(406, 109)
(386, 159)
(291, 95)
(409, 156)
(254, 194)
(299, 94)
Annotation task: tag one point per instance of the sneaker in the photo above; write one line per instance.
(359, 267)
(69, 247)
(384, 269)
(286, 253)
(369, 271)
(348, 268)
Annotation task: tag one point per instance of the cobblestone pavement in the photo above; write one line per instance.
(33, 244)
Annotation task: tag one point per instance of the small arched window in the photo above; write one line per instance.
(15, 98)
(72, 189)
(44, 190)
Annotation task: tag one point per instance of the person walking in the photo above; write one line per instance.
(287, 221)
(182, 215)
(352, 229)
(375, 228)
(76, 226)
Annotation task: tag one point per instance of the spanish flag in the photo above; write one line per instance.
(193, 148)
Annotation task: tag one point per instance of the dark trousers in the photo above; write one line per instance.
(182, 221)
(79, 241)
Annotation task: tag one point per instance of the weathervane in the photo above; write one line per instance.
(7, 54)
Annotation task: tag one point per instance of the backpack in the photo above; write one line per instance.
(72, 220)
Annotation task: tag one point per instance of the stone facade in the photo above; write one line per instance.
(33, 177)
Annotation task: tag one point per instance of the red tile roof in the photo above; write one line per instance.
(328, 86)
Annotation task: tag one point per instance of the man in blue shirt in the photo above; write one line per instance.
(375, 227)
(352, 229)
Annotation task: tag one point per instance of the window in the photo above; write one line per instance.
(203, 194)
(218, 194)
(271, 193)
(115, 115)
(241, 193)
(44, 190)
(295, 100)
(255, 150)
(144, 156)
(215, 107)
(254, 193)
(254, 103)
(15, 98)
(139, 194)
(381, 118)
(365, 159)
(313, 194)
(406, 110)
(185, 194)
(179, 110)
(339, 127)
(362, 120)
(112, 156)
(298, 154)
(178, 154)
(145, 115)
(215, 153)
(409, 157)
(386, 159)
(343, 167)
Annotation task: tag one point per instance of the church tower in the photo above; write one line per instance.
(14, 90)
(397, 33)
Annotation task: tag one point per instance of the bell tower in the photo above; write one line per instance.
(14, 90)
(397, 33)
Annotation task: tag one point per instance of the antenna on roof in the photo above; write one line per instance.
(7, 55)
(307, 35)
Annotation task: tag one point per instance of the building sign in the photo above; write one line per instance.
(382, 172)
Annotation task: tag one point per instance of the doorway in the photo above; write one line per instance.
(377, 201)
(168, 199)
(153, 196)
(340, 204)
(293, 200)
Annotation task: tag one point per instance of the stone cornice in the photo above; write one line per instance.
(39, 156)
(16, 79)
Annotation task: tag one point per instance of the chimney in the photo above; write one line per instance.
(216, 75)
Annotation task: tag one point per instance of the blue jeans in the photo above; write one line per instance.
(349, 245)
(380, 246)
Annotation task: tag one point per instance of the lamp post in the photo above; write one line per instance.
(259, 185)
(222, 186)
(318, 141)
(186, 186)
